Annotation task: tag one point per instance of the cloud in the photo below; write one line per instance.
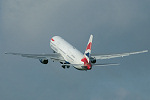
(122, 94)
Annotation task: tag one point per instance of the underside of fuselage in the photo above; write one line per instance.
(83, 68)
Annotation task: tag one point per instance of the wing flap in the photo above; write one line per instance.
(55, 56)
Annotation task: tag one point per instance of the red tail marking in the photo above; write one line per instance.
(84, 60)
(89, 46)
(89, 66)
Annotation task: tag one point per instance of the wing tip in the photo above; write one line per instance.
(6, 53)
(145, 50)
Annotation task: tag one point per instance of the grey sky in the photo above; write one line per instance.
(118, 26)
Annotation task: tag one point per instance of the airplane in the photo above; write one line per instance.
(68, 55)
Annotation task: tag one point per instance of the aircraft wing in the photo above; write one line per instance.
(54, 56)
(109, 56)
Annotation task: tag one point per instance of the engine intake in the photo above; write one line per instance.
(44, 61)
(93, 60)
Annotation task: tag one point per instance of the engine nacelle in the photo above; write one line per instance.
(93, 60)
(44, 61)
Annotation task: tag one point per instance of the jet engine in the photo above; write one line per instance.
(44, 61)
(93, 60)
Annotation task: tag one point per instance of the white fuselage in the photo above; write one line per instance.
(67, 51)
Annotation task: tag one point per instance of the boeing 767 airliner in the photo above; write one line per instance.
(68, 56)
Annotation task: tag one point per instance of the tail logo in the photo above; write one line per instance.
(89, 46)
(88, 55)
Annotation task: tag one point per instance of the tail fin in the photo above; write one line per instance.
(88, 49)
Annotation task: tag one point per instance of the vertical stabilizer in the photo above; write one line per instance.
(88, 50)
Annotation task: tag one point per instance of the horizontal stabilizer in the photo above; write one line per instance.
(111, 64)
